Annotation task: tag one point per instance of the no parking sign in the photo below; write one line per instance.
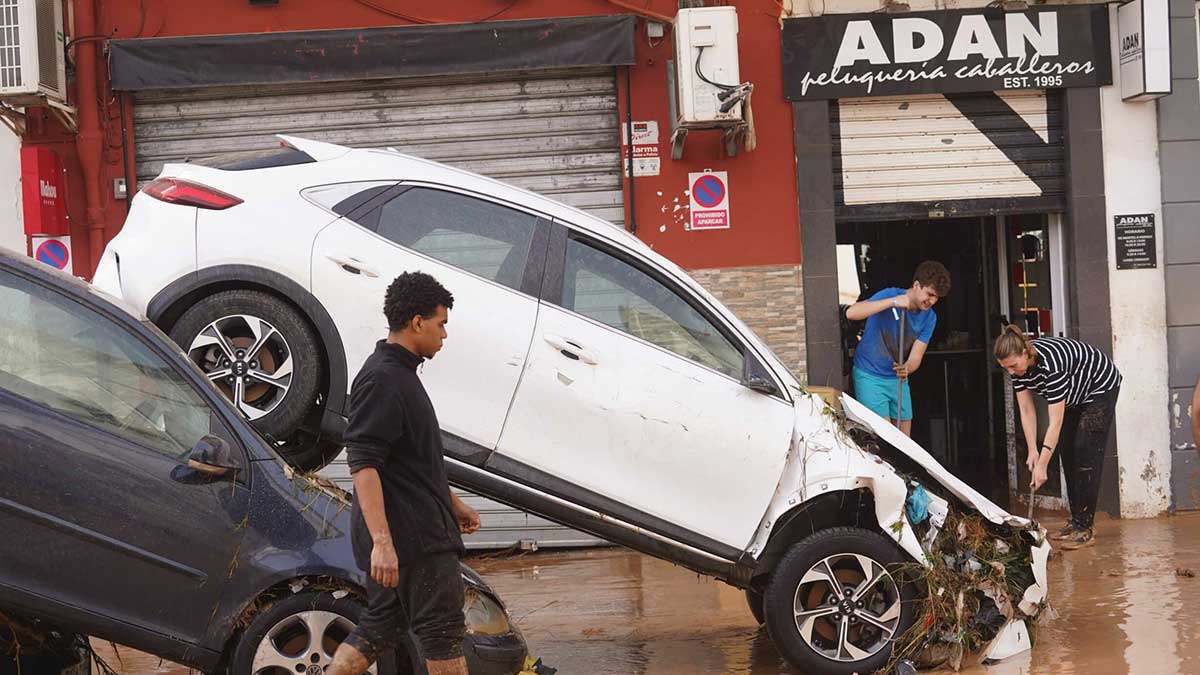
(709, 195)
(53, 251)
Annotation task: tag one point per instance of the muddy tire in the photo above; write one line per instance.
(754, 600)
(281, 638)
(837, 600)
(263, 355)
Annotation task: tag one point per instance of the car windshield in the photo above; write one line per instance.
(67, 357)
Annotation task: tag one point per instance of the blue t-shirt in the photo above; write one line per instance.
(876, 352)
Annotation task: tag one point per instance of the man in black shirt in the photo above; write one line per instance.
(406, 521)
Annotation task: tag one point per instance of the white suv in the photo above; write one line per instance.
(586, 378)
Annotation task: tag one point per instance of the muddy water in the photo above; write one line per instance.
(1121, 607)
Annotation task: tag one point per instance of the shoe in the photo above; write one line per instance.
(1064, 533)
(1081, 539)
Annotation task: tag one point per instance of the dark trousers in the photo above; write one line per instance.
(428, 602)
(1081, 443)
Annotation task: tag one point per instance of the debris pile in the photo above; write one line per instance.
(979, 590)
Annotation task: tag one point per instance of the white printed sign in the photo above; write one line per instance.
(709, 195)
(646, 161)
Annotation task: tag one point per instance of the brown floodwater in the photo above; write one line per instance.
(1121, 608)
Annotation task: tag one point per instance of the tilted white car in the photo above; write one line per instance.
(585, 378)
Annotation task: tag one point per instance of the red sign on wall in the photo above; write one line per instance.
(42, 192)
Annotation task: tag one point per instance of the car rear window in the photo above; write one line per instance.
(255, 159)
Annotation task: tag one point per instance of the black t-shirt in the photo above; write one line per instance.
(394, 430)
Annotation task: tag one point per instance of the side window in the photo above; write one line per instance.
(66, 357)
(483, 238)
(611, 291)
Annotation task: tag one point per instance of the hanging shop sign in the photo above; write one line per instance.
(849, 55)
(1144, 49)
(1136, 246)
(43, 199)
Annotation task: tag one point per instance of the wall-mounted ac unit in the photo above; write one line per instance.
(32, 53)
(706, 62)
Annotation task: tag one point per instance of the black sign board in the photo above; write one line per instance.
(1135, 242)
(848, 55)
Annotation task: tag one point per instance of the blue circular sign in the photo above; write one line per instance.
(708, 191)
(53, 253)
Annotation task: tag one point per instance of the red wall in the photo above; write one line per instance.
(763, 204)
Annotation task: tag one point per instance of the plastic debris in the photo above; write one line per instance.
(917, 505)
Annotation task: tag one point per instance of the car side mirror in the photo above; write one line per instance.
(756, 377)
(212, 456)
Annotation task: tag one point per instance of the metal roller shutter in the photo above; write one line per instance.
(553, 132)
(981, 152)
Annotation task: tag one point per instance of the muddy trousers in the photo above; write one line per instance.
(1082, 442)
(427, 604)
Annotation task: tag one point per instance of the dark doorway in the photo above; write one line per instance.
(958, 417)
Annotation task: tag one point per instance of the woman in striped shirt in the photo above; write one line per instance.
(1081, 385)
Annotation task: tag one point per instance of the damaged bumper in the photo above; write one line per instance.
(976, 572)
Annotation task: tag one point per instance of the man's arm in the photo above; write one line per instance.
(867, 308)
(1057, 411)
(915, 356)
(385, 568)
(468, 518)
(375, 425)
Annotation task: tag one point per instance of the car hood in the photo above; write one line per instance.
(859, 413)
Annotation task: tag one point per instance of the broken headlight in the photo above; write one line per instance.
(484, 615)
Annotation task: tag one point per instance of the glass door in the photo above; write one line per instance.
(1030, 262)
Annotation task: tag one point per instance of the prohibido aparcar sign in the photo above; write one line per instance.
(848, 55)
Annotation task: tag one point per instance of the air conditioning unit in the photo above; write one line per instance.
(32, 53)
(706, 66)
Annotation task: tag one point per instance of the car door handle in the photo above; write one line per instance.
(570, 349)
(353, 266)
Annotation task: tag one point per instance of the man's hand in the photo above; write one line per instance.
(385, 568)
(902, 301)
(468, 518)
(901, 371)
(1039, 475)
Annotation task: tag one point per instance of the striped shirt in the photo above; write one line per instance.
(1069, 370)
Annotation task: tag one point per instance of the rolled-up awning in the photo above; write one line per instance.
(369, 53)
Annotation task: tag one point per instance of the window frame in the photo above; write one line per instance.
(555, 280)
(132, 328)
(532, 274)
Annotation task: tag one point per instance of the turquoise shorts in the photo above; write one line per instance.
(879, 394)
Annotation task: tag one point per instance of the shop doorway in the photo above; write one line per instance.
(1005, 269)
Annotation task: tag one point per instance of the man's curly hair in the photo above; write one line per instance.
(933, 274)
(413, 293)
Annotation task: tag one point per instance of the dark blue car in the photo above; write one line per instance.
(137, 506)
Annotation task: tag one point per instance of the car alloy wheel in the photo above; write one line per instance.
(248, 359)
(304, 642)
(847, 607)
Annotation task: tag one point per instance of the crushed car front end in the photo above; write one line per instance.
(975, 574)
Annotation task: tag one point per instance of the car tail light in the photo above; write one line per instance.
(187, 193)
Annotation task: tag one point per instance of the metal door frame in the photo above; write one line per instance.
(1054, 228)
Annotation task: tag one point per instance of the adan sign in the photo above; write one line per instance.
(847, 55)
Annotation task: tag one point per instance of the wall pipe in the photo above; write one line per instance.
(629, 146)
(90, 137)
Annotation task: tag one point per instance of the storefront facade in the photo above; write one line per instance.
(1013, 179)
(998, 142)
